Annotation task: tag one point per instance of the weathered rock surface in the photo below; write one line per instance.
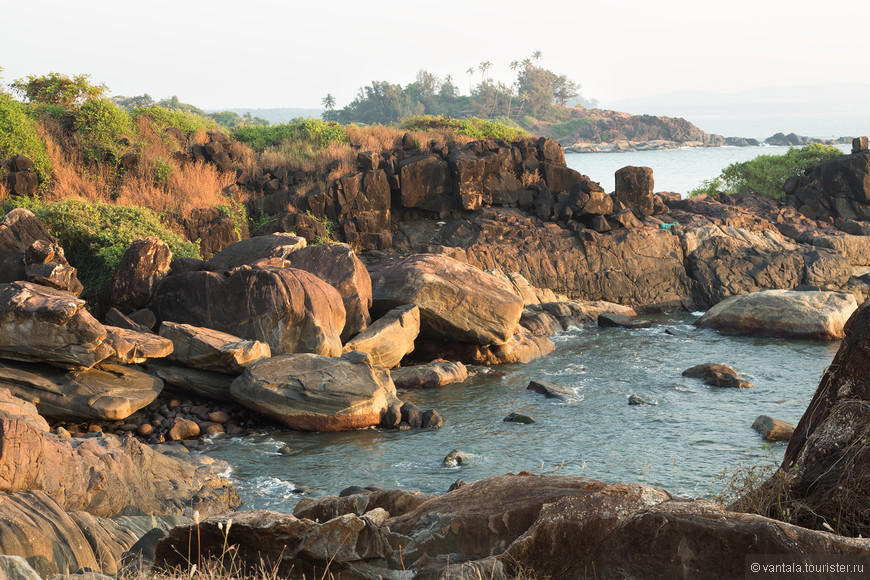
(634, 188)
(523, 347)
(15, 408)
(111, 392)
(773, 429)
(396, 502)
(246, 252)
(135, 347)
(309, 392)
(390, 338)
(290, 310)
(338, 266)
(717, 375)
(142, 268)
(457, 302)
(783, 313)
(835, 189)
(42, 324)
(200, 383)
(549, 390)
(211, 350)
(610, 320)
(428, 376)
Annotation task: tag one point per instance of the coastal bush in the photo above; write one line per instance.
(472, 127)
(20, 135)
(99, 125)
(766, 174)
(58, 89)
(568, 128)
(186, 122)
(313, 133)
(96, 235)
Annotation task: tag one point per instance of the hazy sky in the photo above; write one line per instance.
(260, 53)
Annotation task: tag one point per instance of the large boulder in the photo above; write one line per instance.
(109, 393)
(783, 313)
(634, 188)
(290, 310)
(428, 376)
(390, 338)
(426, 184)
(212, 350)
(523, 347)
(142, 268)
(309, 392)
(839, 188)
(338, 266)
(251, 250)
(457, 302)
(135, 347)
(42, 324)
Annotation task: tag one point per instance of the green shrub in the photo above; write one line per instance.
(568, 128)
(471, 127)
(766, 174)
(314, 132)
(58, 89)
(237, 212)
(42, 110)
(99, 125)
(161, 171)
(187, 122)
(94, 236)
(19, 135)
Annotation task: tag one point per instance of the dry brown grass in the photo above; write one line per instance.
(374, 137)
(530, 178)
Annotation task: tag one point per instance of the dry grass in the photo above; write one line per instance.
(374, 137)
(530, 178)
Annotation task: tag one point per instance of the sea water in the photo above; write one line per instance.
(682, 443)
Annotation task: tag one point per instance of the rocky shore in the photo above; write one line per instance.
(447, 256)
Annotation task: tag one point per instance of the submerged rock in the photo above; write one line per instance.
(635, 399)
(518, 418)
(773, 429)
(455, 458)
(610, 320)
(428, 376)
(550, 391)
(717, 375)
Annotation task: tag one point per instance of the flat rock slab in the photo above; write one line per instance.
(609, 320)
(41, 324)
(783, 313)
(246, 252)
(108, 393)
(211, 350)
(309, 392)
(133, 347)
(428, 376)
(549, 390)
(390, 338)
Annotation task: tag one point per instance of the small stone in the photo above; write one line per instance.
(285, 450)
(200, 411)
(234, 429)
(214, 429)
(95, 429)
(455, 458)
(455, 485)
(634, 399)
(62, 432)
(128, 427)
(173, 403)
(432, 419)
(218, 417)
(183, 429)
(518, 418)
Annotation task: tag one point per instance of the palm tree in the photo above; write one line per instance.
(537, 55)
(484, 66)
(470, 71)
(329, 103)
(515, 64)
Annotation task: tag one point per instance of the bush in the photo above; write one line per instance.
(315, 133)
(94, 236)
(472, 127)
(99, 125)
(568, 128)
(19, 135)
(58, 89)
(766, 174)
(161, 118)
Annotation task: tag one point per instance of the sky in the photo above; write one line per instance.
(269, 54)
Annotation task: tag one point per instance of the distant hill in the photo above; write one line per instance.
(275, 115)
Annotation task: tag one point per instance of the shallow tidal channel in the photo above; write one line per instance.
(681, 444)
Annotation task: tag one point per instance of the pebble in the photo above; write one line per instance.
(219, 417)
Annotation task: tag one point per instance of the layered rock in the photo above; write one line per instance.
(338, 266)
(135, 347)
(290, 310)
(390, 338)
(437, 373)
(783, 313)
(109, 393)
(43, 324)
(251, 250)
(211, 350)
(316, 393)
(835, 189)
(457, 302)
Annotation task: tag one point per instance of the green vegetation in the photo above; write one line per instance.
(227, 120)
(19, 135)
(312, 132)
(501, 128)
(766, 174)
(560, 130)
(58, 89)
(96, 235)
(100, 125)
(186, 122)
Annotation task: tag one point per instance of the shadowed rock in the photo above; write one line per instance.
(211, 350)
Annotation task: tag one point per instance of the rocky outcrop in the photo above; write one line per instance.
(338, 266)
(206, 384)
(211, 350)
(109, 393)
(457, 302)
(717, 375)
(390, 338)
(783, 313)
(42, 324)
(251, 250)
(634, 189)
(21, 178)
(523, 347)
(316, 393)
(142, 268)
(834, 189)
(290, 310)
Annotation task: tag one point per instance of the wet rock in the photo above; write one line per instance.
(431, 419)
(435, 374)
(717, 375)
(309, 392)
(211, 350)
(783, 313)
(412, 415)
(455, 458)
(251, 250)
(518, 418)
(41, 324)
(773, 429)
(610, 320)
(549, 390)
(390, 338)
(393, 415)
(635, 399)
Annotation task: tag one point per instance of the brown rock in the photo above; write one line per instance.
(634, 188)
(390, 338)
(211, 350)
(426, 184)
(246, 252)
(773, 429)
(15, 408)
(717, 375)
(457, 302)
(218, 417)
(142, 268)
(133, 347)
(183, 429)
(428, 376)
(290, 310)
(316, 393)
(206, 384)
